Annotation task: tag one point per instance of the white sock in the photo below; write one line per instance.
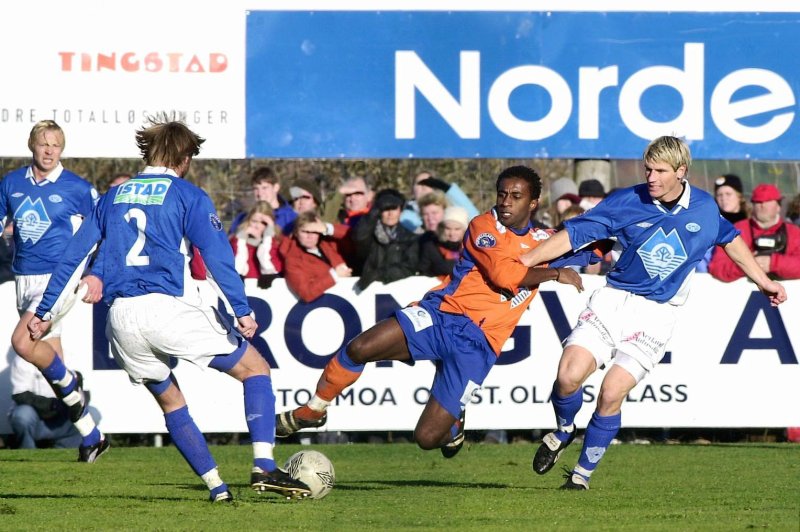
(212, 479)
(317, 404)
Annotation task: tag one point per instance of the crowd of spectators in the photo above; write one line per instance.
(384, 236)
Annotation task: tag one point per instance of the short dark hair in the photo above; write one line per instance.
(525, 173)
(263, 173)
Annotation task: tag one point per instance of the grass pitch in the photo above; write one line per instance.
(399, 487)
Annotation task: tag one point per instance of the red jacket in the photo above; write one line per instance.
(306, 274)
(785, 265)
(247, 262)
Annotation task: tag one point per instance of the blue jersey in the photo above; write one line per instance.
(42, 214)
(660, 248)
(147, 226)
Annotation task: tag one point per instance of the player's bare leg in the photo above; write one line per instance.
(383, 341)
(438, 429)
(65, 383)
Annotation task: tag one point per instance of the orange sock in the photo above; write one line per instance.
(335, 378)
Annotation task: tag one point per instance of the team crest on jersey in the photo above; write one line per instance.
(31, 220)
(692, 227)
(54, 198)
(216, 223)
(147, 191)
(662, 254)
(485, 240)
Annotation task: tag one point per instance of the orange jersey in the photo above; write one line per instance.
(485, 283)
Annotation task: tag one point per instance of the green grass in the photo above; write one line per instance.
(399, 487)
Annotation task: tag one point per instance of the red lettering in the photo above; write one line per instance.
(66, 60)
(128, 62)
(174, 62)
(194, 65)
(217, 62)
(150, 62)
(153, 63)
(108, 62)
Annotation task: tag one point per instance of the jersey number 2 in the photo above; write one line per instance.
(134, 256)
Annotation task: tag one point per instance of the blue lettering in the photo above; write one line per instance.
(741, 339)
(293, 328)
(556, 312)
(264, 319)
(521, 349)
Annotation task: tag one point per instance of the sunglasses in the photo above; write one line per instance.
(303, 197)
(356, 193)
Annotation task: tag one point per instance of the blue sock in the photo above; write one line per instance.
(599, 433)
(347, 363)
(222, 488)
(566, 408)
(189, 440)
(56, 373)
(454, 429)
(259, 409)
(92, 438)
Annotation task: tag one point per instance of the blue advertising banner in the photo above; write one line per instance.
(518, 85)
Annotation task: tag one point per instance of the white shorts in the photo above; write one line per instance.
(145, 331)
(629, 329)
(30, 289)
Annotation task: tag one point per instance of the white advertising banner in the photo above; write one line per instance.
(732, 363)
(99, 70)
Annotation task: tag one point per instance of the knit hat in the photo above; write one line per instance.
(456, 214)
(302, 186)
(564, 188)
(729, 180)
(591, 188)
(765, 192)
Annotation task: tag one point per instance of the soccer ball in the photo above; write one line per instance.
(314, 469)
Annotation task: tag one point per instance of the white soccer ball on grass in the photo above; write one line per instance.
(314, 469)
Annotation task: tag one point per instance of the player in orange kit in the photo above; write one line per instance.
(461, 324)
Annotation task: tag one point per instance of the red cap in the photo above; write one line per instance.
(765, 192)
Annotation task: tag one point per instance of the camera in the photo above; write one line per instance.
(769, 244)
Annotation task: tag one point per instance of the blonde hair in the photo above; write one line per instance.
(436, 197)
(670, 150)
(260, 207)
(42, 126)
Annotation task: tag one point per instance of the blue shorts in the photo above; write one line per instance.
(459, 348)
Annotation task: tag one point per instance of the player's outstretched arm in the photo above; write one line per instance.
(537, 276)
(740, 253)
(553, 247)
